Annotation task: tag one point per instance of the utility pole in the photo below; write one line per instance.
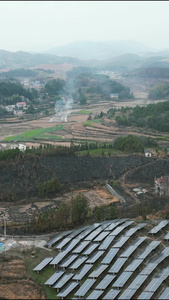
(4, 226)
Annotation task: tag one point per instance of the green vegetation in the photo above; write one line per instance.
(49, 187)
(160, 91)
(54, 86)
(155, 116)
(90, 123)
(36, 134)
(129, 144)
(84, 112)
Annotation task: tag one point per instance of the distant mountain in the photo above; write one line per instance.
(21, 59)
(100, 50)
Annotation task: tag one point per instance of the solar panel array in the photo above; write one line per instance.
(111, 261)
(161, 225)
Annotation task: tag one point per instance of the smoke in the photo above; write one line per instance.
(63, 106)
(62, 110)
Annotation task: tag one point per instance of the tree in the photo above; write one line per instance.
(79, 209)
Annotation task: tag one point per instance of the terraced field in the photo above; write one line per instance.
(115, 259)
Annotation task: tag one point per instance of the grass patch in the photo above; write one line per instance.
(91, 123)
(100, 152)
(162, 138)
(36, 134)
(84, 112)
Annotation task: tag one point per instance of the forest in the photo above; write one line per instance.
(155, 116)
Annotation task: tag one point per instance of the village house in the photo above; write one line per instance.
(21, 105)
(162, 186)
(114, 95)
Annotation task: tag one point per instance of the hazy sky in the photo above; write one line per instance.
(42, 25)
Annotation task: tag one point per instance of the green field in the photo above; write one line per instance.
(36, 134)
(90, 123)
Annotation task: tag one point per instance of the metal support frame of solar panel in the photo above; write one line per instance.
(134, 265)
(92, 259)
(82, 272)
(121, 241)
(43, 264)
(90, 249)
(59, 258)
(95, 295)
(77, 263)
(105, 282)
(68, 289)
(112, 294)
(81, 247)
(71, 245)
(64, 279)
(116, 267)
(152, 246)
(157, 228)
(101, 236)
(54, 277)
(122, 279)
(98, 271)
(127, 294)
(63, 243)
(106, 243)
(165, 294)
(110, 256)
(68, 260)
(85, 287)
(57, 238)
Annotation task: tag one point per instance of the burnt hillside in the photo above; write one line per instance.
(20, 179)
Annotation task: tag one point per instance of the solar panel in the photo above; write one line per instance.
(117, 265)
(85, 287)
(79, 261)
(110, 256)
(145, 295)
(95, 295)
(105, 282)
(54, 277)
(112, 294)
(106, 243)
(93, 234)
(157, 281)
(127, 294)
(63, 243)
(122, 279)
(68, 260)
(81, 246)
(65, 278)
(101, 236)
(137, 282)
(165, 294)
(134, 265)
(83, 234)
(139, 241)
(121, 242)
(148, 269)
(43, 264)
(166, 237)
(71, 245)
(128, 251)
(158, 259)
(117, 230)
(112, 226)
(68, 289)
(59, 258)
(75, 233)
(90, 249)
(157, 228)
(57, 238)
(82, 272)
(152, 246)
(98, 271)
(95, 257)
